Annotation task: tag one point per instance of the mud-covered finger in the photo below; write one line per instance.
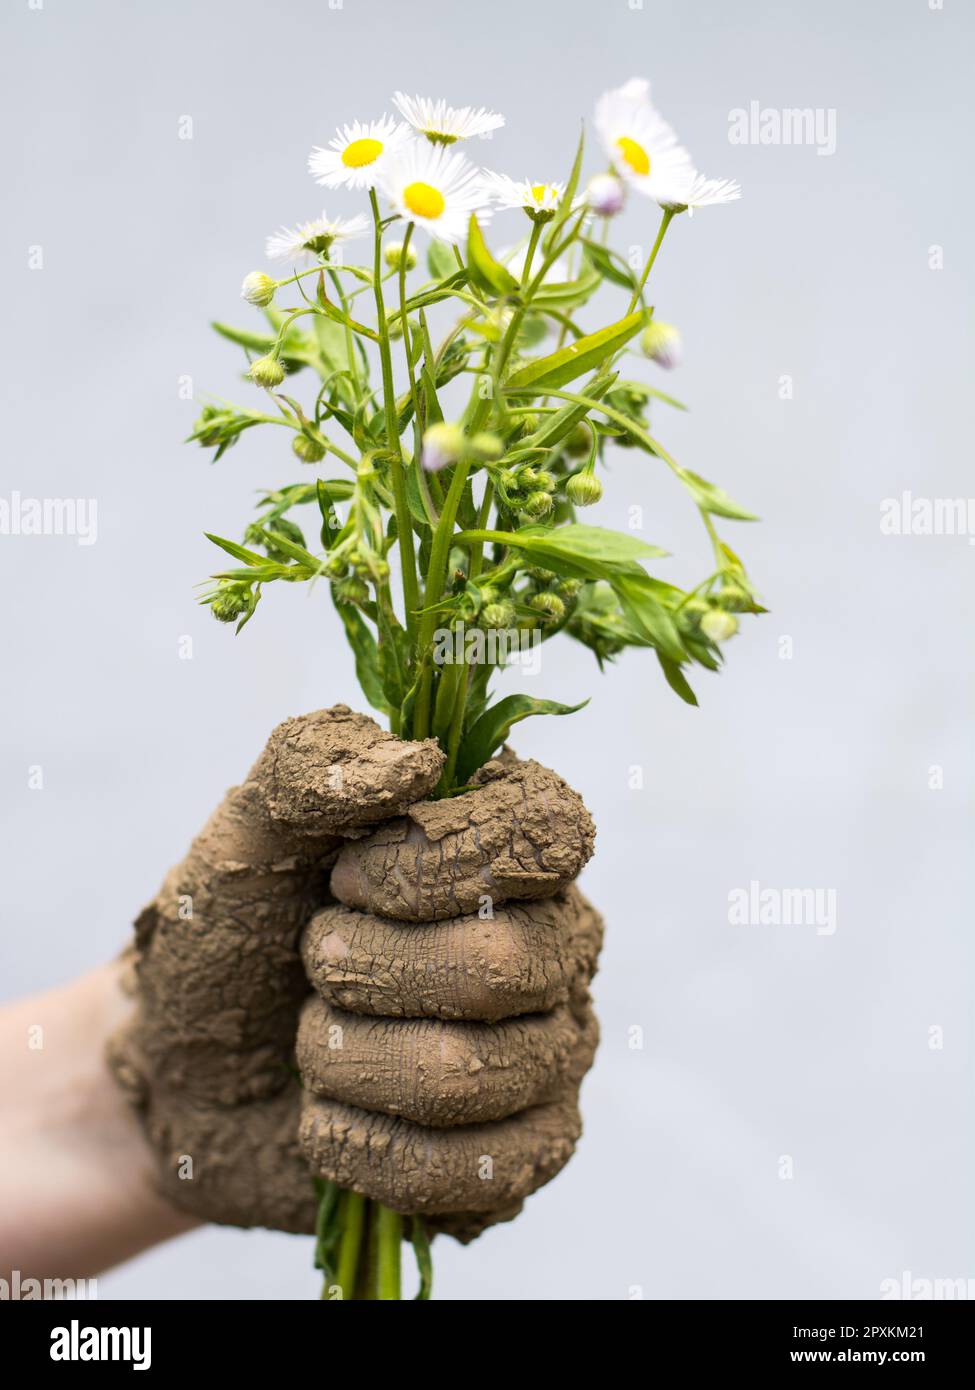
(520, 833)
(527, 958)
(432, 1071)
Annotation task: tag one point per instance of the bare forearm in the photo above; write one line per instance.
(76, 1186)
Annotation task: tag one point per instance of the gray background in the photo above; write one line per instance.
(811, 772)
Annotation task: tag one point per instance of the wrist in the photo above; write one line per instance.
(75, 1172)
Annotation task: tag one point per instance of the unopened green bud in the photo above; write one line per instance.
(529, 424)
(734, 599)
(718, 626)
(583, 489)
(487, 447)
(497, 615)
(527, 477)
(267, 371)
(662, 342)
(443, 444)
(508, 478)
(547, 482)
(229, 602)
(550, 606)
(393, 255)
(578, 441)
(307, 449)
(352, 590)
(569, 589)
(258, 288)
(537, 504)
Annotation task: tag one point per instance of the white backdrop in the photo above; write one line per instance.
(766, 1049)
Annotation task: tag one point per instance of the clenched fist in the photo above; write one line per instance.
(344, 979)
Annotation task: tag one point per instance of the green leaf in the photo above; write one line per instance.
(555, 293)
(605, 262)
(239, 552)
(486, 272)
(264, 573)
(297, 552)
(255, 342)
(490, 731)
(585, 355)
(576, 551)
(565, 208)
(712, 498)
(366, 654)
(441, 261)
(424, 1260)
(675, 679)
(654, 622)
(328, 532)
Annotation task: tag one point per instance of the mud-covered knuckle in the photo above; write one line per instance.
(521, 833)
(526, 958)
(433, 1072)
(337, 771)
(412, 1168)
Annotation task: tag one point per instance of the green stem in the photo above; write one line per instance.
(404, 524)
(436, 577)
(389, 1238)
(665, 222)
(353, 1220)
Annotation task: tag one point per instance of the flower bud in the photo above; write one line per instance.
(569, 589)
(583, 489)
(545, 481)
(718, 626)
(443, 444)
(258, 288)
(308, 450)
(393, 255)
(529, 424)
(662, 342)
(605, 195)
(229, 602)
(486, 447)
(508, 478)
(550, 606)
(526, 476)
(267, 371)
(352, 590)
(500, 614)
(536, 505)
(578, 441)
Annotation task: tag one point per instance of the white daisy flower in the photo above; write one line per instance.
(537, 199)
(443, 124)
(642, 147)
(356, 154)
(700, 192)
(436, 189)
(311, 241)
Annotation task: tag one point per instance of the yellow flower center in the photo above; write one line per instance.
(423, 200)
(634, 155)
(361, 152)
(538, 191)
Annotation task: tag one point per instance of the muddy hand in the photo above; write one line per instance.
(439, 1063)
